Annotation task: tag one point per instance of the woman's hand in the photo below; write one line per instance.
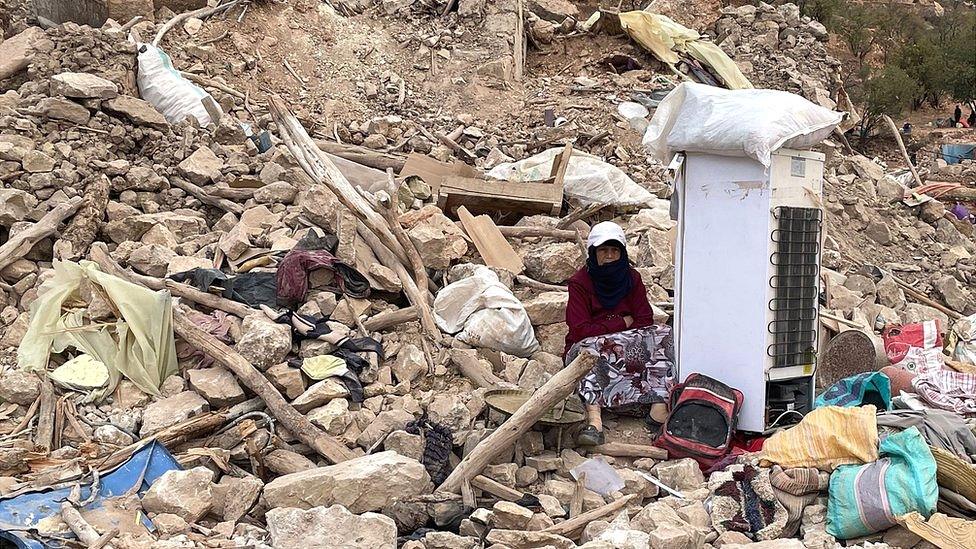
(628, 320)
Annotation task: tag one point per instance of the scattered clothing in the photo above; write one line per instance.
(635, 367)
(217, 324)
(293, 271)
(940, 428)
(941, 530)
(323, 366)
(743, 500)
(947, 389)
(864, 499)
(438, 443)
(900, 379)
(857, 390)
(795, 489)
(252, 289)
(826, 438)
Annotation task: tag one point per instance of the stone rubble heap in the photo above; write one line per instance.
(74, 127)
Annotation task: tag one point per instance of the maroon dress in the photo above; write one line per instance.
(636, 364)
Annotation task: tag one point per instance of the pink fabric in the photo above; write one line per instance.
(948, 390)
(587, 318)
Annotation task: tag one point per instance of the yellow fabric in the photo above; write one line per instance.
(942, 531)
(665, 38)
(139, 345)
(323, 366)
(710, 54)
(826, 438)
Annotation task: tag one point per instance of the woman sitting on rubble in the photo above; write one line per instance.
(608, 313)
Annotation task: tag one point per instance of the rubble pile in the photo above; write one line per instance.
(777, 48)
(292, 393)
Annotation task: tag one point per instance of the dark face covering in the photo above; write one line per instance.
(611, 281)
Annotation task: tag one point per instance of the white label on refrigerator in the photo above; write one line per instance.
(798, 166)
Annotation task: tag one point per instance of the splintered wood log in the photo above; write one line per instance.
(362, 155)
(21, 243)
(519, 49)
(78, 525)
(504, 437)
(323, 171)
(496, 489)
(207, 198)
(901, 147)
(576, 502)
(474, 369)
(297, 424)
(251, 377)
(83, 228)
(44, 436)
(522, 232)
(415, 261)
(416, 296)
(571, 528)
(922, 298)
(284, 462)
(622, 449)
(99, 254)
(532, 283)
(199, 14)
(388, 319)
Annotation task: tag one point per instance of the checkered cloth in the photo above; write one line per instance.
(947, 389)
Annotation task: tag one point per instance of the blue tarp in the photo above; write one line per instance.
(954, 154)
(20, 514)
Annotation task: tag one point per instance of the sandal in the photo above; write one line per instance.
(590, 436)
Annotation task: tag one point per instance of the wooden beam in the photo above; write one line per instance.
(362, 155)
(20, 244)
(523, 232)
(622, 449)
(496, 489)
(388, 319)
(571, 528)
(207, 198)
(901, 147)
(99, 254)
(44, 435)
(474, 369)
(557, 388)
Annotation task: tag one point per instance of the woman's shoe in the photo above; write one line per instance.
(589, 436)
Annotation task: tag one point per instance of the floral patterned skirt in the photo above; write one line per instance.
(635, 368)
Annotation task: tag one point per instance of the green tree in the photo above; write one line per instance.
(856, 29)
(890, 92)
(822, 10)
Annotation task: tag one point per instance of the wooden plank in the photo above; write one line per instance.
(560, 164)
(482, 195)
(519, 46)
(433, 171)
(528, 190)
(496, 489)
(491, 244)
(622, 449)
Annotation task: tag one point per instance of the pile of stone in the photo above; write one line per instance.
(168, 198)
(776, 48)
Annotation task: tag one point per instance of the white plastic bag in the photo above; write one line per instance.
(753, 123)
(162, 87)
(588, 179)
(482, 312)
(965, 332)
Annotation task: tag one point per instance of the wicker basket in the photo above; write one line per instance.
(955, 474)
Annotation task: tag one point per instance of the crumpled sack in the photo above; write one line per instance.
(482, 312)
(139, 345)
(752, 123)
(826, 438)
(858, 390)
(866, 499)
(588, 180)
(164, 88)
(964, 334)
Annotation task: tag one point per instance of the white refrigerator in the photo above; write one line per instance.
(747, 266)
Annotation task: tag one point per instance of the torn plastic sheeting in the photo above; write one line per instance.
(19, 515)
(482, 312)
(665, 38)
(588, 179)
(139, 345)
(752, 123)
